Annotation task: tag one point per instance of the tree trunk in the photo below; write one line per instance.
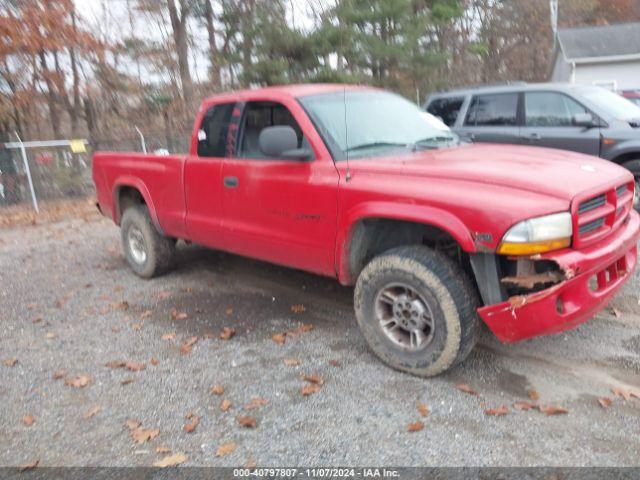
(51, 97)
(179, 26)
(213, 48)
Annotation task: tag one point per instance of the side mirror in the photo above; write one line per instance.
(275, 141)
(585, 120)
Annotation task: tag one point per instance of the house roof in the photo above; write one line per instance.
(599, 42)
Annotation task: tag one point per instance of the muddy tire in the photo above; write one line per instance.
(148, 252)
(634, 167)
(416, 310)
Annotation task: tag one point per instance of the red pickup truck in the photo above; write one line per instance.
(354, 183)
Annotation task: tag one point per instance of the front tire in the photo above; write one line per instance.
(148, 253)
(416, 310)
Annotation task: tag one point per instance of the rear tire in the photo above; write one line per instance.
(634, 167)
(416, 310)
(148, 252)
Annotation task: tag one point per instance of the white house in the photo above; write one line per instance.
(607, 55)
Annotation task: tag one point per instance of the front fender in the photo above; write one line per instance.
(134, 182)
(426, 215)
(624, 147)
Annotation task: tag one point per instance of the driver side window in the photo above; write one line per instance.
(257, 117)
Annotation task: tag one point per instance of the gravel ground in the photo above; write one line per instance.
(62, 306)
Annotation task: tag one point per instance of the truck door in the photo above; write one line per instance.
(203, 174)
(492, 118)
(548, 122)
(282, 210)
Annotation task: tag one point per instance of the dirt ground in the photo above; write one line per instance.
(69, 306)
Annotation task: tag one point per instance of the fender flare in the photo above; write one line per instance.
(423, 214)
(134, 182)
(624, 148)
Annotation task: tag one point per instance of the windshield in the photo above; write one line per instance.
(372, 123)
(612, 103)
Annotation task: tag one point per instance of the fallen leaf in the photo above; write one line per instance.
(279, 338)
(141, 435)
(10, 362)
(137, 326)
(619, 392)
(123, 306)
(310, 389)
(132, 424)
(145, 314)
(188, 345)
(423, 409)
(247, 421)
(163, 449)
(169, 336)
(256, 402)
(116, 364)
(497, 412)
(58, 374)
(28, 420)
(163, 295)
(189, 415)
(251, 463)
(135, 366)
(30, 466)
(79, 381)
(604, 402)
(217, 390)
(299, 308)
(227, 333)
(463, 387)
(312, 379)
(334, 363)
(524, 405)
(552, 410)
(226, 449)
(191, 426)
(533, 395)
(305, 327)
(616, 313)
(415, 427)
(225, 405)
(176, 315)
(91, 412)
(127, 381)
(50, 335)
(154, 361)
(291, 362)
(171, 460)
(229, 311)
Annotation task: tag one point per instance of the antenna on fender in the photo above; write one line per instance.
(346, 132)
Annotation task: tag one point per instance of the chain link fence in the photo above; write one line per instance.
(61, 173)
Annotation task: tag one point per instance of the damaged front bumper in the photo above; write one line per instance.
(591, 277)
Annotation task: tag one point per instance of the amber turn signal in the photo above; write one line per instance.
(531, 248)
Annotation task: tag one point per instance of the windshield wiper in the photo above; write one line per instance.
(363, 146)
(432, 142)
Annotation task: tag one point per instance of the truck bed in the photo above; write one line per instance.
(159, 178)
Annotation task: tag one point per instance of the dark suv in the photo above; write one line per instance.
(585, 119)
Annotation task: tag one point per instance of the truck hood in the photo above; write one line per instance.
(557, 173)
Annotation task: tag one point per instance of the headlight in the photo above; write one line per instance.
(538, 235)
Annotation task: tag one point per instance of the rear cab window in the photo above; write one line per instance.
(446, 108)
(213, 134)
(497, 109)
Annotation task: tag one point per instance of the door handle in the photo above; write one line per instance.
(231, 182)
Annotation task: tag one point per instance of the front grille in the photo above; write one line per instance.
(591, 226)
(592, 204)
(602, 213)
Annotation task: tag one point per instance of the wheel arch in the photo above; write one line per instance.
(375, 227)
(131, 190)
